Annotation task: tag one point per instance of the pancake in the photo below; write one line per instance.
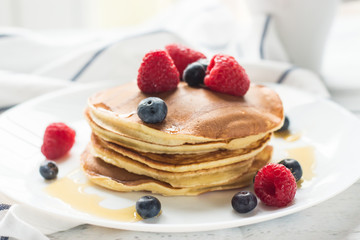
(195, 115)
(182, 162)
(119, 179)
(216, 175)
(187, 148)
(208, 141)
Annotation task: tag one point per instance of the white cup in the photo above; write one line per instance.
(301, 25)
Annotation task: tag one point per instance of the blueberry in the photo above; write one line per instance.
(244, 201)
(49, 170)
(285, 126)
(294, 167)
(195, 72)
(152, 110)
(148, 207)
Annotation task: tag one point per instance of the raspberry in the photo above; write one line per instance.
(183, 56)
(275, 185)
(58, 140)
(225, 75)
(157, 73)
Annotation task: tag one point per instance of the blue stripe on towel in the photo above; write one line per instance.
(285, 74)
(4, 207)
(263, 36)
(2, 109)
(5, 35)
(98, 52)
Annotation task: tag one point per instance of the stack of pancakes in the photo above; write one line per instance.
(208, 141)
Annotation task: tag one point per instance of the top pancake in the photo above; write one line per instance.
(196, 112)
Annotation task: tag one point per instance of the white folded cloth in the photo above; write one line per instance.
(34, 63)
(112, 60)
(23, 222)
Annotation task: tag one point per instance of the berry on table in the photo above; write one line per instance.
(294, 166)
(275, 185)
(148, 207)
(225, 75)
(152, 110)
(58, 140)
(244, 201)
(182, 56)
(49, 170)
(157, 73)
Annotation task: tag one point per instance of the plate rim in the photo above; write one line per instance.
(195, 227)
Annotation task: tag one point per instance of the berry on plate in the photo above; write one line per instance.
(194, 74)
(244, 201)
(275, 185)
(285, 125)
(58, 140)
(148, 207)
(225, 75)
(294, 167)
(183, 56)
(152, 110)
(49, 170)
(157, 73)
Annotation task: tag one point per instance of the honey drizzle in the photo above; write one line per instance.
(306, 157)
(73, 193)
(288, 136)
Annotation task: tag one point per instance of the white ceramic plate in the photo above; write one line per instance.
(330, 129)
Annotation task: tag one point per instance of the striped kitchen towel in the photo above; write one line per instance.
(12, 225)
(44, 66)
(20, 221)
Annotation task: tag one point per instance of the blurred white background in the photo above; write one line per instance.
(85, 14)
(78, 17)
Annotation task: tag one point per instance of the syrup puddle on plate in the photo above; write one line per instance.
(71, 191)
(288, 136)
(306, 157)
